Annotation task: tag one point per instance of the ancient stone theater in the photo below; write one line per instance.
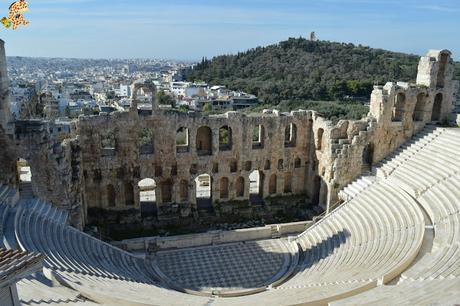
(385, 190)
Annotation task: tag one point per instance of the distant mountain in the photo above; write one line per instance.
(299, 70)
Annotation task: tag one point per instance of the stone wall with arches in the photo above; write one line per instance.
(199, 161)
(185, 146)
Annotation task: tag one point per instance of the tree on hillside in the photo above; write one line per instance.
(165, 99)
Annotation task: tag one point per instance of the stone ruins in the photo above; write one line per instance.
(98, 161)
(389, 185)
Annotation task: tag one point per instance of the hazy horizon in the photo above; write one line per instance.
(181, 30)
(174, 59)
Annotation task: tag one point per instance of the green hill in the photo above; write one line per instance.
(297, 70)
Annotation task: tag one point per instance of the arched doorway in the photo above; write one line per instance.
(368, 157)
(23, 169)
(147, 197)
(24, 176)
(203, 191)
(437, 106)
(147, 190)
(256, 186)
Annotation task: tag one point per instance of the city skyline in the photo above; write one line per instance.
(184, 31)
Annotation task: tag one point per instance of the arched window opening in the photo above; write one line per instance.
(287, 183)
(240, 187)
(399, 107)
(272, 184)
(437, 106)
(440, 79)
(280, 164)
(183, 191)
(224, 188)
(258, 137)
(111, 196)
(108, 142)
(146, 141)
(225, 138)
(204, 141)
(297, 163)
(182, 140)
(290, 135)
(233, 166)
(419, 110)
(319, 139)
(267, 164)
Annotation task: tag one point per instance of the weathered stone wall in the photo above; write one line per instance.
(54, 160)
(285, 162)
(397, 112)
(101, 160)
(7, 151)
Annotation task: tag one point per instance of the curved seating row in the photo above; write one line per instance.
(366, 239)
(366, 242)
(436, 160)
(432, 176)
(40, 228)
(38, 290)
(408, 150)
(443, 206)
(428, 292)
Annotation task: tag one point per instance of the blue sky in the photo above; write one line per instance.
(190, 29)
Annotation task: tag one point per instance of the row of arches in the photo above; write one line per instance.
(251, 187)
(399, 107)
(204, 143)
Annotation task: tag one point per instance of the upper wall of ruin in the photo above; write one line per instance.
(99, 162)
(183, 146)
(397, 112)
